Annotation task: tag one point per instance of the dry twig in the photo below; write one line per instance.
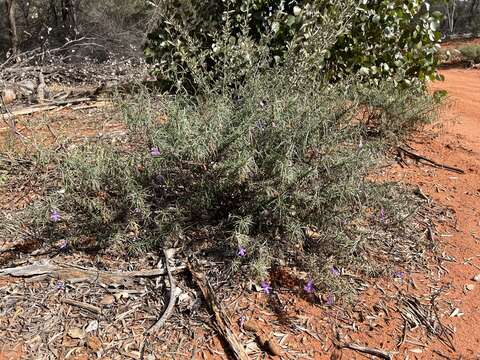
(173, 296)
(429, 161)
(367, 350)
(222, 323)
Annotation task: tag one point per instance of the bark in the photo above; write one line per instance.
(12, 26)
(69, 17)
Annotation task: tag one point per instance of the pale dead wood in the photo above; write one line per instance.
(222, 323)
(367, 350)
(89, 307)
(77, 274)
(53, 105)
(172, 296)
(168, 254)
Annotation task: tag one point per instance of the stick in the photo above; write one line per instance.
(222, 323)
(80, 274)
(430, 162)
(371, 351)
(173, 295)
(82, 305)
(52, 105)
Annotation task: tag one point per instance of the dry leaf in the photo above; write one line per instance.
(416, 350)
(92, 326)
(250, 326)
(121, 295)
(94, 343)
(456, 313)
(312, 234)
(107, 300)
(76, 333)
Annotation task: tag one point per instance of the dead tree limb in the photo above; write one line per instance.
(429, 161)
(173, 296)
(222, 323)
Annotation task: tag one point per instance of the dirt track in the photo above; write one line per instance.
(457, 143)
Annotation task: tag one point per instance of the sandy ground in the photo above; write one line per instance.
(457, 143)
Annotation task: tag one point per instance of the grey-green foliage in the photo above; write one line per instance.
(231, 40)
(262, 166)
(471, 52)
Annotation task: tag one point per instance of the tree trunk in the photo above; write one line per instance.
(69, 17)
(12, 27)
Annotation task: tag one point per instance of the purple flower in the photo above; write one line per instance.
(60, 286)
(309, 287)
(335, 271)
(399, 274)
(241, 251)
(62, 244)
(154, 151)
(55, 216)
(265, 287)
(241, 321)
(382, 215)
(330, 299)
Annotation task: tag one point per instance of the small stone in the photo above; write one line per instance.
(470, 287)
(476, 278)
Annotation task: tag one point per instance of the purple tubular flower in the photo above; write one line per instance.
(382, 215)
(399, 274)
(62, 244)
(330, 299)
(55, 216)
(335, 271)
(309, 287)
(60, 286)
(154, 151)
(265, 287)
(241, 321)
(241, 251)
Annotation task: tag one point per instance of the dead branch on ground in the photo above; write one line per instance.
(430, 162)
(222, 323)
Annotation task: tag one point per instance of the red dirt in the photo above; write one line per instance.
(457, 143)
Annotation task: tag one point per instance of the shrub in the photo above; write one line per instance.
(471, 52)
(384, 39)
(279, 169)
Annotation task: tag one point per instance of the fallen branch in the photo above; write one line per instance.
(171, 303)
(222, 323)
(173, 296)
(78, 274)
(429, 161)
(366, 350)
(54, 105)
(89, 307)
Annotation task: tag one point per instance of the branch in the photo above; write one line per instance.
(430, 162)
(371, 351)
(173, 295)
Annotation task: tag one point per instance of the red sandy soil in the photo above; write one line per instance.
(454, 141)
